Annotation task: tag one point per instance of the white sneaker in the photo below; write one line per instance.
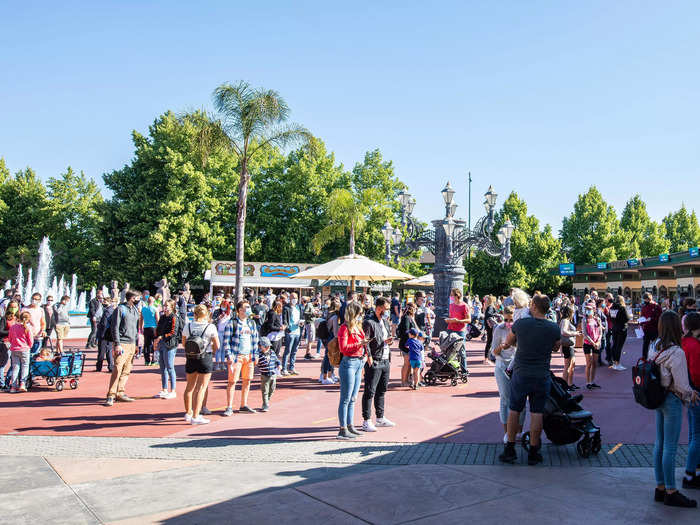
(384, 422)
(335, 379)
(161, 394)
(328, 382)
(284, 373)
(620, 367)
(505, 439)
(188, 418)
(199, 420)
(170, 395)
(320, 379)
(368, 426)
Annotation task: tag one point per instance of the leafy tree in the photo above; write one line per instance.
(365, 200)
(164, 217)
(682, 229)
(26, 219)
(75, 204)
(251, 120)
(592, 232)
(534, 250)
(288, 204)
(643, 236)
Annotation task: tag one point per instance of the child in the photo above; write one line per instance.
(415, 355)
(21, 341)
(268, 363)
(591, 344)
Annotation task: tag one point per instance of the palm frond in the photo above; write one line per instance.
(328, 234)
(284, 136)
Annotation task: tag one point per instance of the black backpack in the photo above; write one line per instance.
(646, 383)
(322, 331)
(196, 345)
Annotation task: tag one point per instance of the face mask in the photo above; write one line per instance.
(385, 315)
(35, 301)
(589, 313)
(294, 302)
(509, 324)
(248, 312)
(13, 310)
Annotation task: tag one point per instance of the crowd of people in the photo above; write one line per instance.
(267, 331)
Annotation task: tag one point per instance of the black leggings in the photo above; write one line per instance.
(277, 347)
(149, 334)
(489, 339)
(619, 338)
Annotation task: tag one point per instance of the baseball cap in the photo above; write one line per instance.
(264, 342)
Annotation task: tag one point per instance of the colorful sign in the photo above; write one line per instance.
(267, 270)
(567, 269)
(230, 269)
(663, 257)
(694, 252)
(632, 263)
(602, 266)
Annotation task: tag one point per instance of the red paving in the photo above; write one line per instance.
(302, 409)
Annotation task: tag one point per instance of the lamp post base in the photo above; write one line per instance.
(447, 277)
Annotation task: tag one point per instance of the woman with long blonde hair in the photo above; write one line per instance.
(351, 342)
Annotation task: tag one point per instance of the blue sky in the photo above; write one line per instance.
(544, 98)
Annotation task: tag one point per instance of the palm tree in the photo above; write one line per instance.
(250, 121)
(347, 210)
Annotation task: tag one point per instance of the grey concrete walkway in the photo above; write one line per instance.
(96, 480)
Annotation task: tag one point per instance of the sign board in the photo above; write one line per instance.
(602, 266)
(566, 269)
(663, 257)
(632, 263)
(693, 252)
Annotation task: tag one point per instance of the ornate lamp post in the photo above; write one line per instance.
(449, 240)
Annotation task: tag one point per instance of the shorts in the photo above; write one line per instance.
(587, 349)
(536, 389)
(62, 331)
(567, 352)
(416, 364)
(394, 319)
(243, 367)
(203, 365)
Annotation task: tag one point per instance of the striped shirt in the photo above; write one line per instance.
(268, 363)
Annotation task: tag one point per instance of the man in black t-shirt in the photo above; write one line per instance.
(536, 338)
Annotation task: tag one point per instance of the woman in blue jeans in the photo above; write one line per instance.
(691, 347)
(671, 359)
(166, 343)
(351, 341)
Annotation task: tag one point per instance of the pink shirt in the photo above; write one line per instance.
(20, 339)
(592, 331)
(36, 315)
(458, 311)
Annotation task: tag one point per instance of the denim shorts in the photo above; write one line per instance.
(416, 364)
(536, 389)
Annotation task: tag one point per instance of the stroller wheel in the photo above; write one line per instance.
(465, 378)
(525, 441)
(59, 386)
(430, 378)
(596, 446)
(453, 382)
(50, 381)
(30, 382)
(584, 447)
(73, 384)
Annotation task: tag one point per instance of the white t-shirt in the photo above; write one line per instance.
(246, 336)
(385, 336)
(209, 334)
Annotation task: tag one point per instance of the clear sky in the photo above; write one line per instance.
(544, 98)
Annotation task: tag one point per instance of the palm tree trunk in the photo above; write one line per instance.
(352, 238)
(242, 207)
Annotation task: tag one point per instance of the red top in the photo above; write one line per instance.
(691, 347)
(458, 311)
(651, 311)
(351, 343)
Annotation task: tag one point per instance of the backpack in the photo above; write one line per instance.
(196, 345)
(646, 383)
(322, 331)
(333, 352)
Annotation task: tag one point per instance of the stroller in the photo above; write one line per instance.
(566, 422)
(66, 367)
(445, 365)
(475, 329)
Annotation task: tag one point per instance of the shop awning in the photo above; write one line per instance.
(263, 282)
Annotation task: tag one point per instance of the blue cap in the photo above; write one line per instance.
(414, 331)
(264, 342)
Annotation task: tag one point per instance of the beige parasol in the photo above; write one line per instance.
(352, 268)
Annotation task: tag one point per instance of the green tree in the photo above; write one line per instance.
(165, 214)
(251, 120)
(682, 229)
(75, 204)
(534, 252)
(592, 232)
(643, 236)
(26, 219)
(288, 205)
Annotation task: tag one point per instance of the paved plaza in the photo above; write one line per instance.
(66, 458)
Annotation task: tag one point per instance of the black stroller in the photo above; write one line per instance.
(445, 365)
(475, 330)
(566, 422)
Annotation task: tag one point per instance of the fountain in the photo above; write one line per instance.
(27, 299)
(8, 284)
(105, 291)
(20, 279)
(53, 290)
(93, 293)
(43, 270)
